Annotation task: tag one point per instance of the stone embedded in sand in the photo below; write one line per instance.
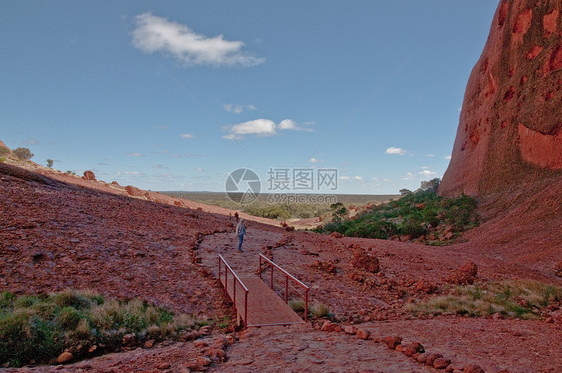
(510, 124)
(349, 329)
(89, 175)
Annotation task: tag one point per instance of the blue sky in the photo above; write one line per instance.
(142, 92)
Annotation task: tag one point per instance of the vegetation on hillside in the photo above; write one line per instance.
(421, 214)
(38, 328)
(23, 154)
(523, 299)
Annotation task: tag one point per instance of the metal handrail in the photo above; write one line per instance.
(237, 279)
(287, 276)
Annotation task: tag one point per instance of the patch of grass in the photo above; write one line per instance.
(318, 309)
(522, 299)
(37, 328)
(297, 305)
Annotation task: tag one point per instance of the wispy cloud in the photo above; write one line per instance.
(237, 109)
(394, 150)
(129, 173)
(345, 177)
(158, 34)
(262, 128)
(160, 167)
(187, 136)
(427, 173)
(134, 154)
(447, 157)
(315, 160)
(430, 155)
(409, 176)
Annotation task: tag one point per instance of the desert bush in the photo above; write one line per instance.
(50, 163)
(523, 299)
(297, 305)
(37, 328)
(318, 309)
(23, 154)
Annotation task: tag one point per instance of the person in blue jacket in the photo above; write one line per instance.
(240, 232)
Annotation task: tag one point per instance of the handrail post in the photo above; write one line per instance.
(259, 271)
(246, 310)
(219, 268)
(234, 291)
(286, 289)
(306, 305)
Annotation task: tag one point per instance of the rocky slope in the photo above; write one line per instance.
(510, 128)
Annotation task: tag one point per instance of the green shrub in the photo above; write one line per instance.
(37, 328)
(23, 154)
(319, 309)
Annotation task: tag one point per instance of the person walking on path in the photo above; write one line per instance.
(240, 232)
(236, 216)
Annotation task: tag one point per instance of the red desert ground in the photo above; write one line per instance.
(60, 231)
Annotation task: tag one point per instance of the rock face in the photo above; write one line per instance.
(510, 127)
(4, 148)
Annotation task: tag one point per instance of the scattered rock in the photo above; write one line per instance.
(350, 329)
(431, 359)
(364, 261)
(163, 366)
(441, 363)
(336, 235)
(327, 266)
(362, 334)
(65, 357)
(465, 275)
(392, 341)
(89, 175)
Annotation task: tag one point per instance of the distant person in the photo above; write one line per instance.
(240, 232)
(236, 216)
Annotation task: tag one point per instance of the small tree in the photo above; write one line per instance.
(23, 153)
(338, 211)
(431, 185)
(405, 192)
(50, 163)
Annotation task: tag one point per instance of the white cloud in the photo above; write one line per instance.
(237, 109)
(158, 34)
(287, 124)
(187, 136)
(130, 173)
(409, 176)
(160, 167)
(135, 154)
(430, 155)
(315, 160)
(447, 157)
(359, 178)
(199, 169)
(261, 128)
(424, 167)
(427, 173)
(393, 150)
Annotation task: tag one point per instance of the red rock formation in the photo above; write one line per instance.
(89, 175)
(510, 127)
(3, 146)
